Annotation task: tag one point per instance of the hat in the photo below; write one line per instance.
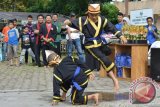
(93, 8)
(51, 57)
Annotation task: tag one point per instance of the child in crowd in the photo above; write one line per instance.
(25, 42)
(71, 72)
(1, 37)
(1, 49)
(12, 44)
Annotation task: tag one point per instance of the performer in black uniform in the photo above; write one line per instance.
(71, 72)
(48, 33)
(92, 26)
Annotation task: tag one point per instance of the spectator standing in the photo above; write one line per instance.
(26, 47)
(31, 33)
(58, 37)
(73, 39)
(126, 21)
(12, 44)
(5, 41)
(48, 33)
(38, 47)
(152, 31)
(15, 25)
(58, 26)
(119, 25)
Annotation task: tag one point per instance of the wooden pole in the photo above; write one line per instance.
(126, 8)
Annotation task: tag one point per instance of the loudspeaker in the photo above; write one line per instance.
(155, 64)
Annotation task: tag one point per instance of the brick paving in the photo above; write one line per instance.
(25, 78)
(30, 86)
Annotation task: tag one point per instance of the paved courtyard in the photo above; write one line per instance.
(30, 86)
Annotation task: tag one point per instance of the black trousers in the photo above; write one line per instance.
(45, 47)
(56, 86)
(26, 57)
(37, 54)
(101, 57)
(77, 96)
(91, 61)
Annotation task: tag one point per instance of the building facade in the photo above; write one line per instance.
(141, 4)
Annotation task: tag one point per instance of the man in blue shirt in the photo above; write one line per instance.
(119, 25)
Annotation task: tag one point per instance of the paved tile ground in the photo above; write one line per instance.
(30, 86)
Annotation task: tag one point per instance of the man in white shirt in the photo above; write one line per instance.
(73, 38)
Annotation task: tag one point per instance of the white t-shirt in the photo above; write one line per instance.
(73, 35)
(156, 44)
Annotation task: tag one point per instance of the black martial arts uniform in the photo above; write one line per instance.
(64, 76)
(93, 40)
(49, 34)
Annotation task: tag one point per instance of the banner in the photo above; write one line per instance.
(138, 17)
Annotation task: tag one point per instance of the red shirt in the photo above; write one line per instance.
(5, 32)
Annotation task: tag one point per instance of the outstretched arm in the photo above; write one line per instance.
(110, 27)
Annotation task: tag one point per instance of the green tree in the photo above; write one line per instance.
(59, 6)
(110, 11)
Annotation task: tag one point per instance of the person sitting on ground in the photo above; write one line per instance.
(77, 76)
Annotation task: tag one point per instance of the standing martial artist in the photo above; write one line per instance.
(92, 26)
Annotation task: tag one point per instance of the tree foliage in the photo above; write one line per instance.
(110, 11)
(58, 6)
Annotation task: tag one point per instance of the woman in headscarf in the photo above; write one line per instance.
(126, 21)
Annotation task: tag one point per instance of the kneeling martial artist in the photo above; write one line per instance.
(71, 72)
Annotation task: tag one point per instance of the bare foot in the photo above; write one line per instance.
(54, 103)
(96, 98)
(116, 85)
(63, 97)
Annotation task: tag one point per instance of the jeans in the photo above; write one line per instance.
(33, 50)
(4, 50)
(23, 54)
(77, 44)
